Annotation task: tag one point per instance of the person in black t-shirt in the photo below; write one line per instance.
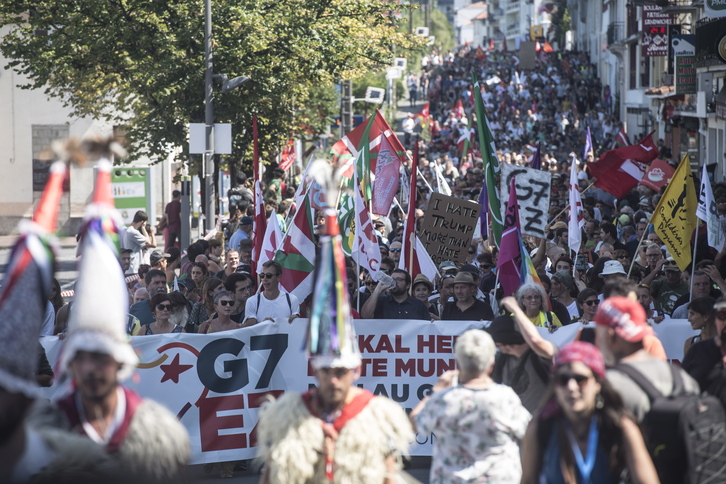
(707, 354)
(465, 306)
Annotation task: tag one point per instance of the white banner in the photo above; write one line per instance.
(216, 382)
(533, 196)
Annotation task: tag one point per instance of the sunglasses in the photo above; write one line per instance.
(163, 307)
(226, 302)
(370, 283)
(592, 302)
(267, 275)
(394, 250)
(563, 379)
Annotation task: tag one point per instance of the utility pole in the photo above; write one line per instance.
(346, 107)
(208, 168)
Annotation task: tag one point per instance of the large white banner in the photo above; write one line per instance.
(215, 383)
(533, 196)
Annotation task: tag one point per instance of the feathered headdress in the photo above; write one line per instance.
(25, 289)
(98, 320)
(330, 338)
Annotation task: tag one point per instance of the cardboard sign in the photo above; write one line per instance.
(533, 196)
(448, 228)
(527, 54)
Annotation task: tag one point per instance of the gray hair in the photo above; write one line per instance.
(529, 287)
(221, 294)
(475, 351)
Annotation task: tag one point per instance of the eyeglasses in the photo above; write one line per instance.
(370, 283)
(563, 379)
(226, 302)
(399, 279)
(591, 302)
(267, 275)
(163, 307)
(721, 315)
(394, 250)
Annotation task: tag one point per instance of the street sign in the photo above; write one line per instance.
(222, 138)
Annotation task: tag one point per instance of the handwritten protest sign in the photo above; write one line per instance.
(533, 196)
(448, 227)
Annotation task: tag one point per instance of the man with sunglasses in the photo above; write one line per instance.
(397, 304)
(242, 286)
(271, 303)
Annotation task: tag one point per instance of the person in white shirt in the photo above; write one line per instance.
(271, 303)
(138, 238)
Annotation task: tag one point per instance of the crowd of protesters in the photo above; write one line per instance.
(621, 283)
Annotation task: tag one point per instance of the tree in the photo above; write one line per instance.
(140, 64)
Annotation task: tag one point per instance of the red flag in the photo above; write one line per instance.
(409, 261)
(260, 221)
(385, 186)
(658, 175)
(547, 47)
(619, 170)
(509, 263)
(287, 158)
(491, 44)
(504, 44)
(347, 148)
(480, 54)
(424, 113)
(537, 47)
(458, 109)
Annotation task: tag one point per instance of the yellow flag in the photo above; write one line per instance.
(675, 216)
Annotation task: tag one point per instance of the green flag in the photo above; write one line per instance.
(491, 164)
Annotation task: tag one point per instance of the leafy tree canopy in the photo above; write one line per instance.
(140, 63)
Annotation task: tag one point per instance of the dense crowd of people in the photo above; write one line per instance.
(518, 407)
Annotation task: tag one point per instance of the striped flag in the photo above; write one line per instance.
(296, 255)
(491, 165)
(707, 212)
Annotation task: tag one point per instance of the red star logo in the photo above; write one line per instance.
(173, 370)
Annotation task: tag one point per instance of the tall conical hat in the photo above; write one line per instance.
(98, 320)
(25, 289)
(330, 340)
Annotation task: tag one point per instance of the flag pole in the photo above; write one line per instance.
(693, 260)
(418, 171)
(568, 205)
(632, 262)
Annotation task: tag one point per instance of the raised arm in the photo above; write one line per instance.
(534, 340)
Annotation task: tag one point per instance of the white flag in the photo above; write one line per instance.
(273, 237)
(707, 212)
(575, 218)
(441, 185)
(365, 249)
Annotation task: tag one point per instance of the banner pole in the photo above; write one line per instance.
(640, 242)
(568, 205)
(693, 260)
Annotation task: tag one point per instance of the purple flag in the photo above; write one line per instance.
(509, 263)
(536, 160)
(483, 215)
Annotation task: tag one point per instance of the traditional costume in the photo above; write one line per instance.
(301, 444)
(48, 455)
(148, 441)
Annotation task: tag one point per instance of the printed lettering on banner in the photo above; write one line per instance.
(215, 383)
(533, 196)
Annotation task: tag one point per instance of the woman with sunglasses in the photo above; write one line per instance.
(588, 301)
(204, 309)
(161, 308)
(582, 432)
(223, 304)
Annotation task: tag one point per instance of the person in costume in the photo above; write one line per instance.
(336, 432)
(147, 440)
(30, 452)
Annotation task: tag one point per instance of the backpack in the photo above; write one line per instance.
(685, 434)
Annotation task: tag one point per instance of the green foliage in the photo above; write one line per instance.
(140, 64)
(561, 20)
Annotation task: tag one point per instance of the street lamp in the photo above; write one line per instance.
(227, 85)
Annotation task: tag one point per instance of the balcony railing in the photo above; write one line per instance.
(616, 33)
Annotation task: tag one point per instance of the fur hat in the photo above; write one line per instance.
(98, 319)
(25, 289)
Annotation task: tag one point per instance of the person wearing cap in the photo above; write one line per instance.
(422, 288)
(621, 329)
(465, 306)
(397, 304)
(583, 415)
(611, 270)
(524, 355)
(667, 290)
(243, 232)
(158, 259)
(478, 423)
(448, 267)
